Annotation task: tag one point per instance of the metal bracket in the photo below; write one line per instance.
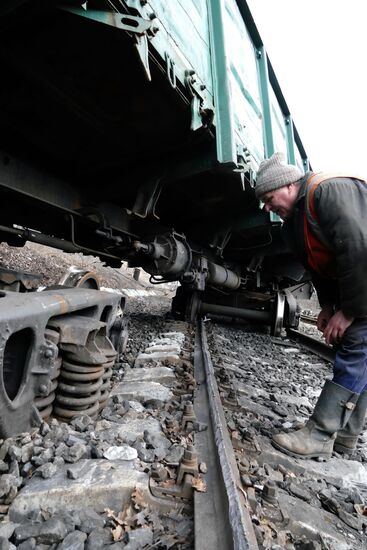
(196, 91)
(244, 160)
(146, 199)
(137, 26)
(171, 72)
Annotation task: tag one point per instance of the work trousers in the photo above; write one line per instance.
(350, 367)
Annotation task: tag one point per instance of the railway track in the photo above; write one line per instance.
(314, 345)
(181, 456)
(226, 517)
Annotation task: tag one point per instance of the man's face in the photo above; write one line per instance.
(281, 201)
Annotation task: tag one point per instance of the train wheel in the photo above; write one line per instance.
(76, 277)
(277, 324)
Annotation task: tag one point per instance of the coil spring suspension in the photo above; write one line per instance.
(78, 391)
(44, 403)
(85, 378)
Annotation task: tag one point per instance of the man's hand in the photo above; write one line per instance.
(324, 317)
(336, 327)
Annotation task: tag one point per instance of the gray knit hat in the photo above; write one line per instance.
(274, 173)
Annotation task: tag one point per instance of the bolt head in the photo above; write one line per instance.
(42, 389)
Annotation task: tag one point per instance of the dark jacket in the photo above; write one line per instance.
(341, 207)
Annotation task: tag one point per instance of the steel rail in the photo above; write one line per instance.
(225, 515)
(312, 344)
(310, 319)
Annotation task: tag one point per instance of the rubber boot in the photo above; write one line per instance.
(316, 439)
(346, 439)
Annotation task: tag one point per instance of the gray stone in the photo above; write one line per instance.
(164, 375)
(165, 348)
(174, 455)
(146, 455)
(72, 440)
(307, 521)
(143, 391)
(7, 529)
(15, 452)
(37, 450)
(58, 461)
(157, 358)
(75, 452)
(9, 482)
(14, 469)
(90, 520)
(26, 439)
(4, 449)
(123, 452)
(5, 485)
(287, 425)
(27, 451)
(53, 530)
(73, 541)
(173, 335)
(337, 471)
(138, 538)
(47, 470)
(80, 423)
(300, 492)
(29, 544)
(47, 454)
(158, 442)
(292, 399)
(136, 406)
(27, 530)
(255, 408)
(98, 539)
(102, 425)
(137, 426)
(70, 519)
(279, 409)
(101, 484)
(75, 470)
(45, 428)
(6, 545)
(164, 342)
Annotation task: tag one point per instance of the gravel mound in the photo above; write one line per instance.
(52, 264)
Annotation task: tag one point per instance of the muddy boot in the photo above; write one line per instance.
(346, 439)
(316, 440)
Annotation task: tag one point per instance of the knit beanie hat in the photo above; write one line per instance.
(274, 173)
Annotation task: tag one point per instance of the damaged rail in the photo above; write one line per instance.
(312, 344)
(225, 514)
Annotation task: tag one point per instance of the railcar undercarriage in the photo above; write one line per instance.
(114, 148)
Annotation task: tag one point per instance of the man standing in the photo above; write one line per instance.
(325, 225)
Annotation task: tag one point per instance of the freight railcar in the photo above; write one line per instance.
(132, 130)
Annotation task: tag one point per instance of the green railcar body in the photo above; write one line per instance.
(123, 119)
